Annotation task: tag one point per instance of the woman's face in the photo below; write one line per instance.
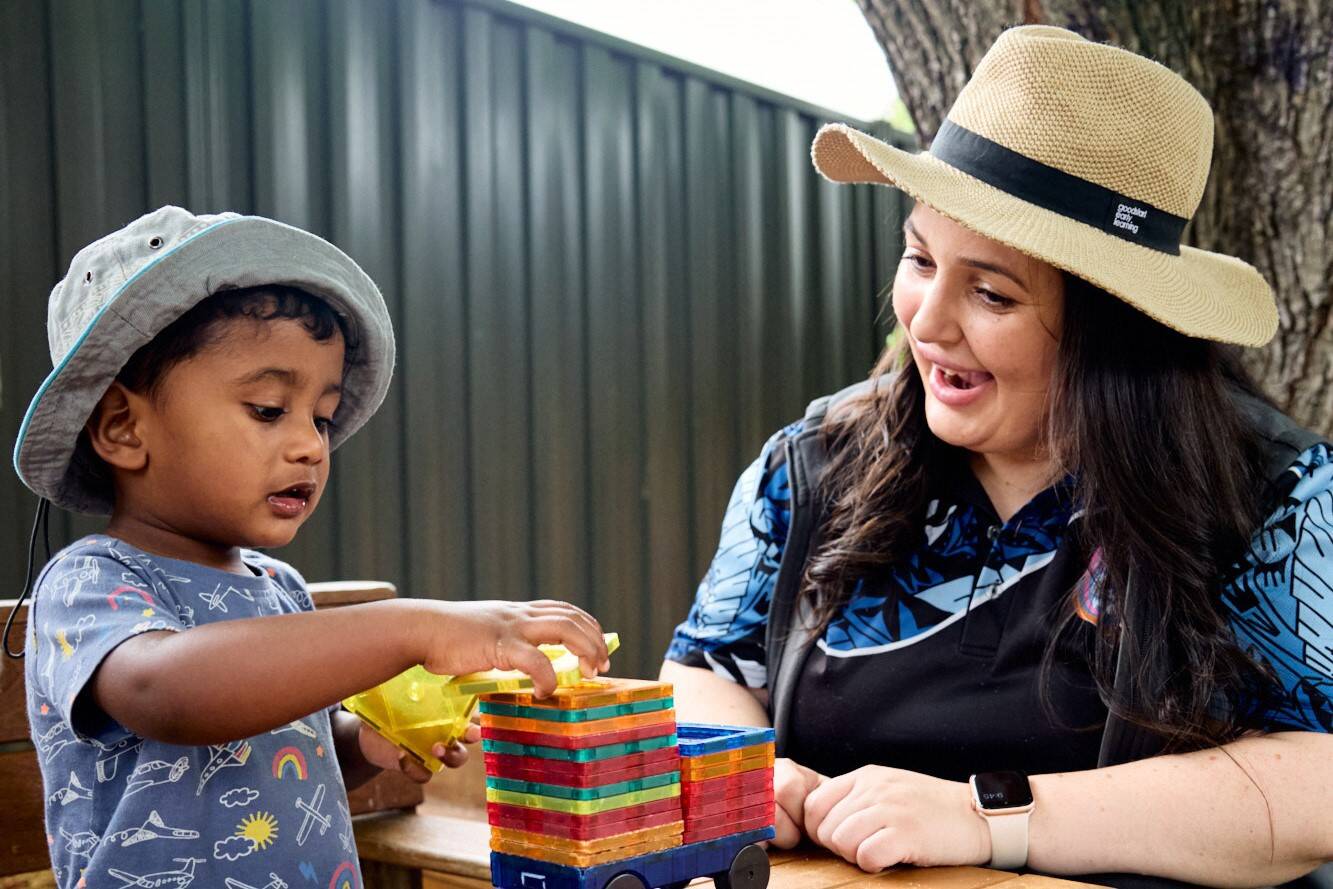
(981, 319)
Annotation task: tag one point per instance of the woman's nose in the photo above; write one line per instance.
(933, 319)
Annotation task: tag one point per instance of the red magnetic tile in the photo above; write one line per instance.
(585, 777)
(662, 811)
(567, 742)
(726, 824)
(577, 770)
(709, 808)
(731, 785)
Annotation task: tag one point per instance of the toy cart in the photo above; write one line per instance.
(596, 786)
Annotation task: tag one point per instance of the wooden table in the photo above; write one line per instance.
(424, 851)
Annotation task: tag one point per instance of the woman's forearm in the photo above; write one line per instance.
(1254, 812)
(703, 696)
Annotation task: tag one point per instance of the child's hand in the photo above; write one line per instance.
(384, 754)
(466, 637)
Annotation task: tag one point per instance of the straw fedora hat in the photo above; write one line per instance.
(1085, 156)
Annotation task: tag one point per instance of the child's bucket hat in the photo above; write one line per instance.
(1085, 156)
(122, 290)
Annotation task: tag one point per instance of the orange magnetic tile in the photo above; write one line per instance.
(689, 772)
(599, 692)
(589, 847)
(578, 859)
(577, 729)
(739, 753)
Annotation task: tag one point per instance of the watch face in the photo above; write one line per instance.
(1002, 790)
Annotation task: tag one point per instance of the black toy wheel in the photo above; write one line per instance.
(749, 870)
(625, 881)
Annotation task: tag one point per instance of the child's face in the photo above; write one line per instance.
(237, 437)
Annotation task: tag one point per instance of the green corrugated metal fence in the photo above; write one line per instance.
(612, 274)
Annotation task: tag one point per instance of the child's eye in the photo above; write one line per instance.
(324, 425)
(266, 414)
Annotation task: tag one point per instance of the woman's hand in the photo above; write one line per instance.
(792, 785)
(384, 754)
(876, 817)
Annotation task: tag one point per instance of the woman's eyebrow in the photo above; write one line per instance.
(992, 267)
(910, 229)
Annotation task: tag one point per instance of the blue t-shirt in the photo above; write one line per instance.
(122, 810)
(933, 666)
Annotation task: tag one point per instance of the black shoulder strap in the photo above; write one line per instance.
(1283, 441)
(787, 642)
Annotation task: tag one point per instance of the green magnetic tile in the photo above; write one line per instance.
(579, 754)
(551, 714)
(565, 792)
(581, 807)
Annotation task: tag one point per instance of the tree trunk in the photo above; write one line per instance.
(1267, 70)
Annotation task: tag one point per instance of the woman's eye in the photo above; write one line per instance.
(917, 260)
(266, 414)
(993, 299)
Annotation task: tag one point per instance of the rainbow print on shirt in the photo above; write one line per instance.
(289, 760)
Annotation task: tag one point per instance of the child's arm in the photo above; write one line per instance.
(233, 679)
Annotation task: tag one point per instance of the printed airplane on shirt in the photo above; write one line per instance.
(179, 878)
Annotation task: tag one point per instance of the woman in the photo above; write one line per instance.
(1054, 589)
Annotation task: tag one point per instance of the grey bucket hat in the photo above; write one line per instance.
(122, 290)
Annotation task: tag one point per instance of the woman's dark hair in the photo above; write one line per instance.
(199, 327)
(1165, 466)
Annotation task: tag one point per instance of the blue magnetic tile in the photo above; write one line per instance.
(655, 868)
(700, 738)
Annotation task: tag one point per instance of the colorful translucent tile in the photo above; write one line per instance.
(675, 865)
(601, 692)
(707, 808)
(578, 729)
(702, 738)
(583, 774)
(584, 859)
(587, 754)
(585, 827)
(580, 742)
(418, 709)
(690, 768)
(601, 792)
(727, 824)
(725, 756)
(728, 785)
(581, 806)
(617, 841)
(586, 714)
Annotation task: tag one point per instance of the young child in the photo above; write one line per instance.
(182, 690)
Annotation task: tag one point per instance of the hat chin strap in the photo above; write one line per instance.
(41, 520)
(1051, 189)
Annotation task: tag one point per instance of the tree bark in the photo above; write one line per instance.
(1267, 70)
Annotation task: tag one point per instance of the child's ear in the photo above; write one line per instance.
(114, 429)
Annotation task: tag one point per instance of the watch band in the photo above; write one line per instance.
(1008, 838)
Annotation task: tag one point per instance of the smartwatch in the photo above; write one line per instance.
(1004, 799)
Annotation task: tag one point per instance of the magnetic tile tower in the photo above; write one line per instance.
(598, 787)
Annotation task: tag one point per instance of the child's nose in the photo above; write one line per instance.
(307, 445)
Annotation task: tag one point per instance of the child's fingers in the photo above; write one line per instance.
(591, 628)
(414, 770)
(527, 657)
(452, 756)
(472, 734)
(573, 633)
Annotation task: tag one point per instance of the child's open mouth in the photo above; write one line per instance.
(292, 501)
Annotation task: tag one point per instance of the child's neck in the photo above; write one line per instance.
(153, 537)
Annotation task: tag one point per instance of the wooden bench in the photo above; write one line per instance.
(23, 855)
